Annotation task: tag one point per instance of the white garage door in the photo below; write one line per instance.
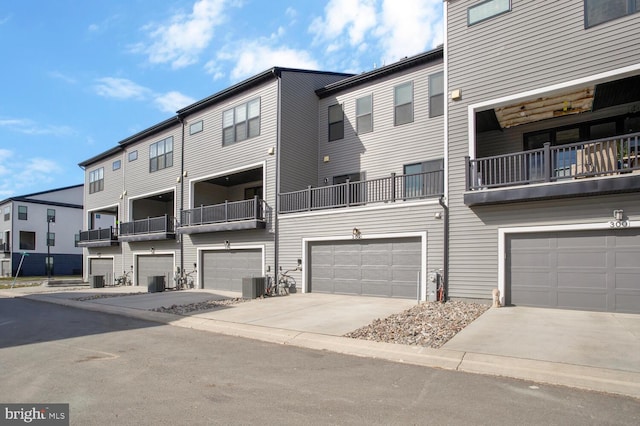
(588, 270)
(102, 267)
(155, 265)
(385, 267)
(224, 269)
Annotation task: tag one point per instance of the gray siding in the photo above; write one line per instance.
(408, 218)
(113, 187)
(387, 148)
(299, 128)
(537, 44)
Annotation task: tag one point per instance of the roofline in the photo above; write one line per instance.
(356, 80)
(271, 73)
(26, 196)
(48, 203)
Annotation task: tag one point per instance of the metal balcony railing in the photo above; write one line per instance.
(382, 190)
(150, 225)
(229, 211)
(103, 234)
(601, 157)
(5, 247)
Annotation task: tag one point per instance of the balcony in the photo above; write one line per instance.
(227, 216)
(149, 229)
(5, 247)
(594, 167)
(375, 191)
(106, 237)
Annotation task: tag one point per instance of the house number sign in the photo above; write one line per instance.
(619, 224)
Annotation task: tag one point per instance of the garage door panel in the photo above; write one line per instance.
(102, 267)
(582, 300)
(590, 270)
(627, 302)
(376, 273)
(583, 259)
(583, 280)
(386, 268)
(155, 265)
(224, 269)
(374, 259)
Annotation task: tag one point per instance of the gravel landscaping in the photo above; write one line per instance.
(429, 324)
(206, 305)
(104, 296)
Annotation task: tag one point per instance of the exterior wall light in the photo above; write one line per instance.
(356, 234)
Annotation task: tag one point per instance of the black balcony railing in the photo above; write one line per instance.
(229, 211)
(601, 157)
(150, 225)
(103, 234)
(382, 190)
(5, 247)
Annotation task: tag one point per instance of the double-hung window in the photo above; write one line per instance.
(599, 11)
(7, 213)
(241, 122)
(161, 154)
(436, 94)
(22, 212)
(364, 114)
(51, 239)
(51, 215)
(336, 122)
(96, 180)
(403, 103)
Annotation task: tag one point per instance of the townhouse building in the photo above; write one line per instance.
(543, 121)
(337, 178)
(198, 191)
(38, 233)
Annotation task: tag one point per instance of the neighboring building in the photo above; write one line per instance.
(544, 102)
(36, 224)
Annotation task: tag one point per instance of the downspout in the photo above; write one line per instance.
(441, 200)
(181, 120)
(445, 248)
(277, 182)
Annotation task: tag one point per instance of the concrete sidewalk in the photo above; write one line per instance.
(589, 350)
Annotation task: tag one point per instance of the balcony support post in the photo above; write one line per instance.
(547, 162)
(393, 187)
(467, 172)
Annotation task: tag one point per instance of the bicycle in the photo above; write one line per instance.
(285, 282)
(184, 280)
(124, 279)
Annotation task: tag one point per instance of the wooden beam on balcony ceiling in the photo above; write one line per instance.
(542, 108)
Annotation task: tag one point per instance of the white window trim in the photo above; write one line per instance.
(306, 245)
(503, 233)
(262, 247)
(548, 90)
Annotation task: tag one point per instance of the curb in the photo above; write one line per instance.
(583, 377)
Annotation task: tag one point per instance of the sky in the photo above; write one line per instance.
(79, 76)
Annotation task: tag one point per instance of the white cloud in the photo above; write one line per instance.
(409, 27)
(173, 101)
(60, 76)
(19, 173)
(392, 29)
(120, 88)
(252, 57)
(353, 17)
(181, 40)
(30, 127)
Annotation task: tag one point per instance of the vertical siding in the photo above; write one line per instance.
(536, 44)
(299, 128)
(388, 147)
